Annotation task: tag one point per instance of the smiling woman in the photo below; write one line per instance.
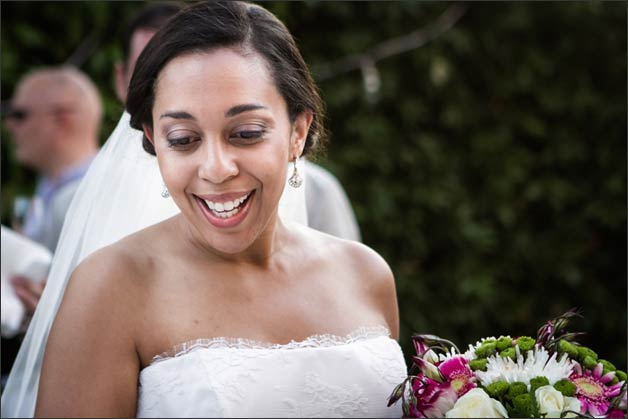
(225, 309)
(226, 149)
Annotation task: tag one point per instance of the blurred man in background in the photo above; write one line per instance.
(139, 30)
(328, 207)
(54, 120)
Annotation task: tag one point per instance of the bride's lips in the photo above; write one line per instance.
(227, 222)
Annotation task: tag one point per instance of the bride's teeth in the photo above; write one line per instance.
(227, 214)
(226, 209)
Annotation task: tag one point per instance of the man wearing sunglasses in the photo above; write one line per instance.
(54, 120)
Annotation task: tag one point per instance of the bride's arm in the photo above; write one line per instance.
(91, 366)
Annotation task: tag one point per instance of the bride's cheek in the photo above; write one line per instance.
(176, 176)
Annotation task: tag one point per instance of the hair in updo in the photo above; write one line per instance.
(206, 26)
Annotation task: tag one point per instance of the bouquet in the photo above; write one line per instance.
(550, 376)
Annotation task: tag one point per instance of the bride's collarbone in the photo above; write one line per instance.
(190, 300)
(279, 271)
(274, 316)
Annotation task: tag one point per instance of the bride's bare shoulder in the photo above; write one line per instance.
(122, 266)
(364, 270)
(348, 253)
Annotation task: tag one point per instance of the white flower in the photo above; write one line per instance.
(551, 401)
(431, 357)
(537, 363)
(572, 403)
(477, 404)
(470, 353)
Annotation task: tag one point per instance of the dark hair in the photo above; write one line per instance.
(210, 25)
(151, 17)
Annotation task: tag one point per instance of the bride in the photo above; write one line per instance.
(225, 309)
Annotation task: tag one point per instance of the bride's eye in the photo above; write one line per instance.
(182, 142)
(248, 136)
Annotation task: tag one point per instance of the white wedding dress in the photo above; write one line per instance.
(322, 376)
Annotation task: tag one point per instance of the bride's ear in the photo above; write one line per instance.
(300, 129)
(148, 133)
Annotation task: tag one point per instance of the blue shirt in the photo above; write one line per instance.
(45, 192)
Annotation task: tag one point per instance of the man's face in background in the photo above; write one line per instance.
(124, 71)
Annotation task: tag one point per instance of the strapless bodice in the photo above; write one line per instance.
(322, 376)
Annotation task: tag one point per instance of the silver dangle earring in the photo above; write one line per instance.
(164, 192)
(295, 180)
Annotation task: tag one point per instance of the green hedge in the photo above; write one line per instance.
(489, 169)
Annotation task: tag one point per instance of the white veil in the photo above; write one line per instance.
(119, 195)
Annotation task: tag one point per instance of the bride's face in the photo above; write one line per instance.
(223, 141)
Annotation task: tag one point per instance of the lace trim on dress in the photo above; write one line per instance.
(313, 341)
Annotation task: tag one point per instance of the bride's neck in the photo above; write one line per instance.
(260, 253)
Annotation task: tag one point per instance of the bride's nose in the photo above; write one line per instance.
(219, 163)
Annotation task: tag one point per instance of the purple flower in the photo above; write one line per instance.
(616, 413)
(592, 389)
(420, 345)
(457, 372)
(431, 398)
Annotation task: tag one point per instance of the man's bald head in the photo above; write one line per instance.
(65, 87)
(55, 118)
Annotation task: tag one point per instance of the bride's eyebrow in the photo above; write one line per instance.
(177, 115)
(233, 111)
(238, 109)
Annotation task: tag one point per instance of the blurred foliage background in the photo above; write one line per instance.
(487, 163)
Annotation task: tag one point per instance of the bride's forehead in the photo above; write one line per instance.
(215, 80)
(215, 68)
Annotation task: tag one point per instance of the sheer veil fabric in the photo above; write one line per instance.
(120, 194)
